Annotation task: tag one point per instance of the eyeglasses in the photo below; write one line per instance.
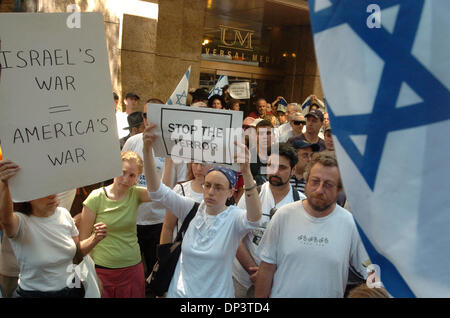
(299, 122)
(207, 187)
(326, 185)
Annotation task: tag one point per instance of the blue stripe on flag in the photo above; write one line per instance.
(390, 277)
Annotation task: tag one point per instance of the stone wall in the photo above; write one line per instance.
(112, 28)
(178, 44)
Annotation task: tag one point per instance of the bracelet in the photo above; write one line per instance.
(251, 188)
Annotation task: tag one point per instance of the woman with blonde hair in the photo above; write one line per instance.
(118, 257)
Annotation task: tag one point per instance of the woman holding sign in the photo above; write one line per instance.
(192, 188)
(211, 240)
(118, 258)
(45, 240)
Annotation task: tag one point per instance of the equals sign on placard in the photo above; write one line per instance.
(59, 109)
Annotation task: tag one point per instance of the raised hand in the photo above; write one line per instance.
(149, 135)
(8, 169)
(242, 156)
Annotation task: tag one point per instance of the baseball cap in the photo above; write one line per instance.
(316, 113)
(248, 121)
(256, 121)
(299, 143)
(281, 108)
(132, 95)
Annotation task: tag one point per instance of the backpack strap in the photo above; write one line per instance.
(295, 194)
(186, 222)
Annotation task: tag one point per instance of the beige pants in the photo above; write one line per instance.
(8, 285)
(242, 292)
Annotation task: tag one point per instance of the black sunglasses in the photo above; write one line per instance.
(299, 122)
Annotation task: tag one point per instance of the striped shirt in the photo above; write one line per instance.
(298, 184)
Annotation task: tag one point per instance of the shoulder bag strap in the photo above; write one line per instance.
(295, 194)
(186, 222)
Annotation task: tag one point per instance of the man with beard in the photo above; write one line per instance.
(310, 245)
(274, 193)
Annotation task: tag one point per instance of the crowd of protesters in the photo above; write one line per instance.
(276, 228)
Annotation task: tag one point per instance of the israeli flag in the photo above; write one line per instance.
(179, 95)
(307, 103)
(384, 67)
(283, 102)
(217, 90)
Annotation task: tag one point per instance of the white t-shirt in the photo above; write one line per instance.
(45, 248)
(285, 131)
(254, 237)
(312, 255)
(209, 246)
(150, 213)
(8, 261)
(188, 192)
(122, 122)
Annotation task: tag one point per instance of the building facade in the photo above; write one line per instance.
(152, 43)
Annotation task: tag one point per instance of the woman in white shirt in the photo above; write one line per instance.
(44, 239)
(192, 188)
(211, 240)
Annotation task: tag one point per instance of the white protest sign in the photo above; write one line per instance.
(196, 133)
(57, 111)
(240, 90)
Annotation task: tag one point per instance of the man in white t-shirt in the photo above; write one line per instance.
(150, 216)
(310, 245)
(274, 193)
(285, 129)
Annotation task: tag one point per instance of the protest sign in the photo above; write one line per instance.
(240, 90)
(196, 133)
(57, 114)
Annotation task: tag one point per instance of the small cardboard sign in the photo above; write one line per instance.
(240, 90)
(196, 133)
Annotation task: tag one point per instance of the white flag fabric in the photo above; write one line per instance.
(179, 95)
(217, 90)
(384, 68)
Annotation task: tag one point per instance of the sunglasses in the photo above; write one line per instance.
(299, 122)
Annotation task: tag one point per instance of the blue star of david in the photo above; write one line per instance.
(400, 66)
(217, 91)
(180, 97)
